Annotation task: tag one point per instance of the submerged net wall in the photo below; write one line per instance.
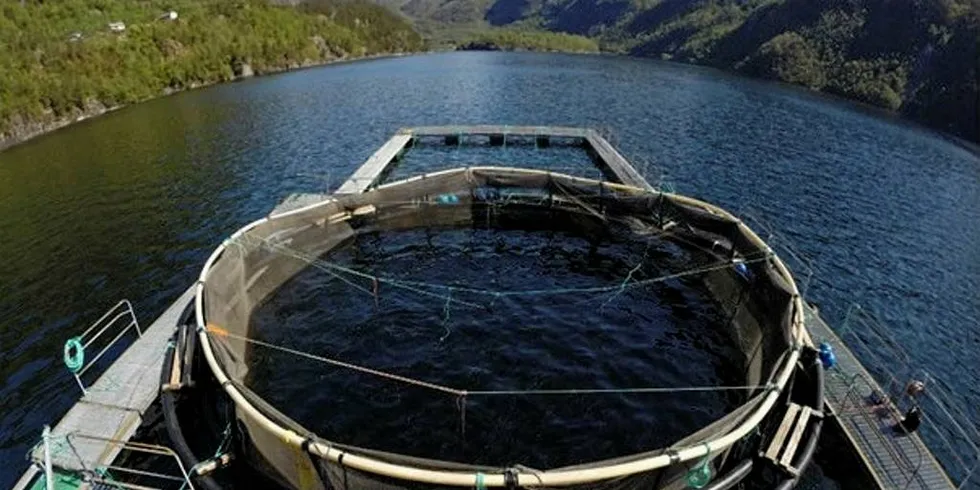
(750, 283)
(527, 315)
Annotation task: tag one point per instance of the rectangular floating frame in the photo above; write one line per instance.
(604, 155)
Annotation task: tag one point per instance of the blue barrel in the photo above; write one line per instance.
(827, 356)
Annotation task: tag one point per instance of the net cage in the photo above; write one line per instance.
(743, 275)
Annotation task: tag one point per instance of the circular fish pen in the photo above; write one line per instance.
(600, 227)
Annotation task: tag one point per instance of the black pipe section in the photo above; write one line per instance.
(168, 400)
(732, 478)
(818, 374)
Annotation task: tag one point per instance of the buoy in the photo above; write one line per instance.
(743, 270)
(447, 199)
(827, 356)
(486, 194)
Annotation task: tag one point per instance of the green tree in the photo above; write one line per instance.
(791, 58)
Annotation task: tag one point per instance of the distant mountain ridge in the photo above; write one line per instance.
(917, 57)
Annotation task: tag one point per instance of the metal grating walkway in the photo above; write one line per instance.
(895, 461)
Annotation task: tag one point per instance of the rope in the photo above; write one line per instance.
(464, 393)
(445, 315)
(225, 440)
(335, 362)
(74, 354)
(416, 286)
(626, 280)
(461, 406)
(700, 475)
(599, 391)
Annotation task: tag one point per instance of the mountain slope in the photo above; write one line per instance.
(918, 57)
(61, 60)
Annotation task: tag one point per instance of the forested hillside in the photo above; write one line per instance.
(918, 57)
(61, 59)
(532, 40)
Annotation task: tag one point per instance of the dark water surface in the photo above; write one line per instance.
(130, 204)
(523, 314)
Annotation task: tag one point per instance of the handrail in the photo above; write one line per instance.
(138, 447)
(952, 419)
(898, 454)
(875, 342)
(122, 316)
(973, 471)
(937, 387)
(48, 471)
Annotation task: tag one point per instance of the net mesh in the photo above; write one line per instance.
(737, 268)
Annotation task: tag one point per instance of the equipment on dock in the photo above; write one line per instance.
(869, 410)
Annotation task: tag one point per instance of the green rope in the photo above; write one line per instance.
(700, 475)
(104, 473)
(74, 354)
(225, 440)
(479, 482)
(415, 286)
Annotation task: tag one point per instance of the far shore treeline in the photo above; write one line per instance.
(61, 59)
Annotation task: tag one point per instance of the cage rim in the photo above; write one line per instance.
(543, 478)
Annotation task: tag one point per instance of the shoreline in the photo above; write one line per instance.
(24, 132)
(30, 130)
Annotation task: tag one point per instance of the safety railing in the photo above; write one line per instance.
(945, 425)
(909, 462)
(120, 319)
(135, 478)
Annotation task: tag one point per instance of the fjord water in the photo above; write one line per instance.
(130, 204)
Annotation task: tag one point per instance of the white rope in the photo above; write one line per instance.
(462, 393)
(354, 367)
(615, 391)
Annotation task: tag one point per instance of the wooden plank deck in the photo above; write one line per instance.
(296, 201)
(895, 461)
(609, 159)
(114, 405)
(376, 166)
